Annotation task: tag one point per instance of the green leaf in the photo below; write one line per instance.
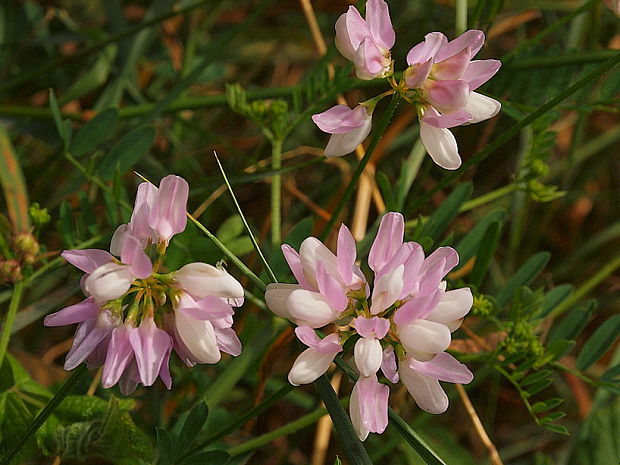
(555, 297)
(167, 447)
(60, 127)
(469, 245)
(93, 133)
(95, 76)
(602, 339)
(447, 211)
(572, 324)
(121, 440)
(231, 228)
(558, 429)
(386, 188)
(77, 440)
(612, 375)
(524, 275)
(65, 224)
(488, 244)
(127, 152)
(194, 423)
(539, 386)
(535, 377)
(81, 408)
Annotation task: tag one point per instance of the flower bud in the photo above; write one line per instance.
(10, 271)
(27, 245)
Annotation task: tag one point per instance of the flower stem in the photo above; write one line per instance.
(276, 192)
(49, 408)
(461, 17)
(488, 197)
(10, 318)
(387, 116)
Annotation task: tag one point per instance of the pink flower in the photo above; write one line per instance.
(314, 361)
(324, 282)
(368, 406)
(158, 214)
(408, 312)
(367, 43)
(422, 379)
(349, 128)
(447, 77)
(151, 346)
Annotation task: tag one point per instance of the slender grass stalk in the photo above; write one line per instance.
(16, 298)
(276, 193)
(460, 25)
(387, 116)
(44, 414)
(289, 428)
(488, 197)
(352, 446)
(245, 223)
(233, 258)
(515, 128)
(586, 287)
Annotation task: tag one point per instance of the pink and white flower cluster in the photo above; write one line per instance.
(403, 325)
(133, 316)
(440, 83)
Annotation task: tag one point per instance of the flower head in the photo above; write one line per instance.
(402, 323)
(134, 316)
(348, 127)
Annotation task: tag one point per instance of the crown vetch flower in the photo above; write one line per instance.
(367, 43)
(403, 325)
(134, 316)
(348, 127)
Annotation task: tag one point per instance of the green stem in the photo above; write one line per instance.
(245, 223)
(256, 411)
(488, 197)
(49, 408)
(16, 298)
(387, 116)
(586, 287)
(352, 446)
(515, 128)
(461, 17)
(276, 192)
(266, 438)
(233, 258)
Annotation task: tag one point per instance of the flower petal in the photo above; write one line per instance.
(132, 254)
(380, 24)
(443, 367)
(309, 366)
(77, 313)
(388, 365)
(168, 215)
(87, 260)
(198, 336)
(340, 119)
(331, 289)
(473, 39)
(108, 282)
(118, 357)
(481, 107)
(447, 96)
(453, 305)
(480, 71)
(426, 50)
(150, 345)
(227, 341)
(276, 297)
(370, 63)
(202, 279)
(342, 144)
(425, 336)
(375, 327)
(388, 240)
(345, 255)
(310, 308)
(368, 355)
(441, 146)
(427, 392)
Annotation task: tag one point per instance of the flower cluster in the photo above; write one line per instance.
(439, 82)
(403, 325)
(134, 316)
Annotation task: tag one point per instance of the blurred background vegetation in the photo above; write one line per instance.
(91, 90)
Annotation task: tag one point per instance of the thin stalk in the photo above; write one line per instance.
(586, 287)
(562, 60)
(245, 223)
(16, 298)
(488, 197)
(515, 128)
(461, 17)
(352, 446)
(266, 438)
(387, 116)
(256, 411)
(276, 192)
(49, 408)
(233, 258)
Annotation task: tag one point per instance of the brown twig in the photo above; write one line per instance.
(482, 434)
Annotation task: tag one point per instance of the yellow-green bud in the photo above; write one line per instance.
(10, 271)
(27, 246)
